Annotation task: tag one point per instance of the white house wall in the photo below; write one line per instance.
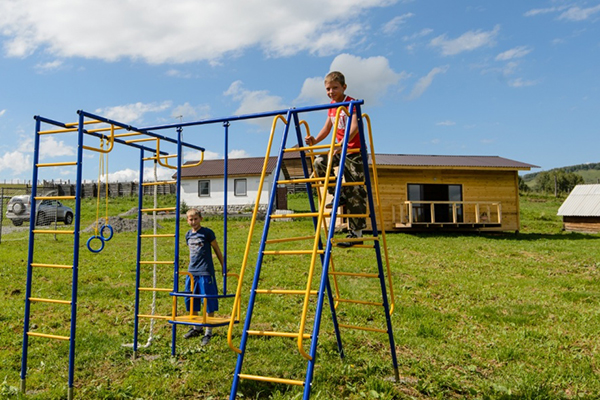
(189, 192)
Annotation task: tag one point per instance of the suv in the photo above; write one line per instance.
(48, 211)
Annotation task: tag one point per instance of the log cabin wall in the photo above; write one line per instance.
(477, 185)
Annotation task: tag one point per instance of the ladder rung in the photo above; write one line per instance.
(278, 334)
(314, 147)
(55, 197)
(51, 266)
(369, 303)
(284, 291)
(140, 140)
(39, 300)
(363, 328)
(300, 180)
(300, 215)
(353, 216)
(53, 232)
(270, 379)
(292, 239)
(154, 316)
(158, 209)
(160, 235)
(48, 336)
(158, 183)
(291, 252)
(359, 274)
(156, 262)
(149, 289)
(56, 164)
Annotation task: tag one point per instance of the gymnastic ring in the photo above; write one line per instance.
(110, 228)
(89, 246)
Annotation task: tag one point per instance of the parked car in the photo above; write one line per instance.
(48, 211)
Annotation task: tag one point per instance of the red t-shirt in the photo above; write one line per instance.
(341, 128)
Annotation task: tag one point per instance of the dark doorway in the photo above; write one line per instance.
(434, 193)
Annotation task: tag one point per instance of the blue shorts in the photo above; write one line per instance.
(203, 284)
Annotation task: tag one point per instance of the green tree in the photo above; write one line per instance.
(558, 181)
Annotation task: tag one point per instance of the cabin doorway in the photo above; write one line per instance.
(424, 195)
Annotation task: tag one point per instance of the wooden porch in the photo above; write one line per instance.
(447, 214)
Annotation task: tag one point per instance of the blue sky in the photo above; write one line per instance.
(516, 79)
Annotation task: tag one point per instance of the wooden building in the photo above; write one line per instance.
(581, 210)
(429, 192)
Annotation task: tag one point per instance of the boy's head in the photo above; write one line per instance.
(335, 85)
(194, 217)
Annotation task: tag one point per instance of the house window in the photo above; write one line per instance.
(203, 188)
(441, 196)
(240, 188)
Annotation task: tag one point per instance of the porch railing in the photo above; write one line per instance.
(412, 213)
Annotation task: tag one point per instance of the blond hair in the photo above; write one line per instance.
(336, 76)
(193, 211)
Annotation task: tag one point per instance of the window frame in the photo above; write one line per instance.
(235, 187)
(200, 192)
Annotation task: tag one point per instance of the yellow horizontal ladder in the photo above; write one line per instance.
(159, 183)
(55, 197)
(56, 164)
(50, 301)
(271, 379)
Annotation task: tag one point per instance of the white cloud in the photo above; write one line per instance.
(417, 35)
(132, 112)
(516, 52)
(191, 113)
(196, 155)
(538, 11)
(468, 41)
(423, 84)
(175, 73)
(50, 147)
(446, 123)
(2, 112)
(176, 32)
(579, 14)
(392, 26)
(15, 161)
(256, 101)
(238, 154)
(49, 66)
(519, 82)
(367, 79)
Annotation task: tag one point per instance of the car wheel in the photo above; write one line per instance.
(17, 222)
(18, 207)
(41, 219)
(68, 219)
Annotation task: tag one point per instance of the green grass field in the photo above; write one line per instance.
(477, 316)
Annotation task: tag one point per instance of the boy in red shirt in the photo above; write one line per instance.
(353, 197)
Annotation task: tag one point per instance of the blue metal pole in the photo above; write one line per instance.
(32, 212)
(225, 204)
(136, 320)
(325, 271)
(251, 300)
(76, 256)
(377, 246)
(177, 227)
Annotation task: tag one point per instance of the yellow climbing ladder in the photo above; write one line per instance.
(312, 292)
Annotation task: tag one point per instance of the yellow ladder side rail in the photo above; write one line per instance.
(55, 197)
(238, 293)
(57, 164)
(363, 328)
(311, 155)
(380, 212)
(44, 335)
(270, 379)
(320, 221)
(59, 266)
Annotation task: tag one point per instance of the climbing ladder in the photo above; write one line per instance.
(323, 242)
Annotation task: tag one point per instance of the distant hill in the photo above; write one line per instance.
(589, 172)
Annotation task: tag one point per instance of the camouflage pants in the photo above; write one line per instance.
(355, 197)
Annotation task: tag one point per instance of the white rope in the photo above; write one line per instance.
(154, 279)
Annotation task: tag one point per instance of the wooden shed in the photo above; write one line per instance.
(434, 192)
(581, 210)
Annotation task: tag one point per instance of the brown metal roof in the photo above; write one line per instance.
(412, 160)
(253, 165)
(236, 166)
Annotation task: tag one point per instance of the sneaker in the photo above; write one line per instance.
(192, 333)
(206, 338)
(341, 204)
(351, 235)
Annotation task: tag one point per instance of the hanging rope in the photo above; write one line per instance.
(100, 233)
